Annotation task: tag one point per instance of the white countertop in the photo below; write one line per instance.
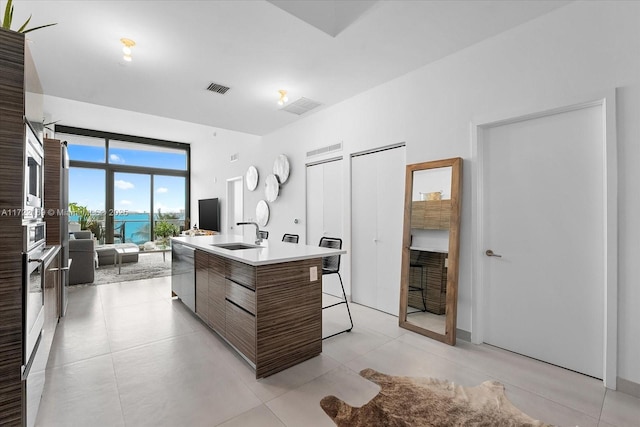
(269, 252)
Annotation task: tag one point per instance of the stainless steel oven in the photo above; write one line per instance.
(33, 175)
(34, 234)
(33, 264)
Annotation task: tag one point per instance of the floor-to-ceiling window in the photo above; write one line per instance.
(131, 187)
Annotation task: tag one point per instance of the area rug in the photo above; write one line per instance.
(406, 401)
(148, 266)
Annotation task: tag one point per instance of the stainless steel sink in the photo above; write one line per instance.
(235, 246)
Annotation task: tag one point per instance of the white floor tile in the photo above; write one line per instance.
(396, 358)
(81, 394)
(128, 354)
(346, 347)
(75, 341)
(256, 417)
(133, 325)
(128, 293)
(301, 407)
(275, 385)
(582, 393)
(546, 410)
(620, 409)
(378, 321)
(178, 381)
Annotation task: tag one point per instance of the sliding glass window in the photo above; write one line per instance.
(128, 184)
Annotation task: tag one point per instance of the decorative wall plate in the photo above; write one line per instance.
(252, 178)
(262, 213)
(271, 188)
(281, 168)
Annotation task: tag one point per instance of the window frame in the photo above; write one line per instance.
(112, 168)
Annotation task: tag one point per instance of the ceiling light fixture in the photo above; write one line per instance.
(283, 97)
(127, 44)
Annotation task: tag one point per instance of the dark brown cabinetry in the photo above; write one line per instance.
(12, 135)
(271, 313)
(217, 306)
(202, 285)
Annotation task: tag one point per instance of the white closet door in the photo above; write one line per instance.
(364, 225)
(332, 206)
(315, 203)
(377, 200)
(325, 210)
(332, 218)
(390, 209)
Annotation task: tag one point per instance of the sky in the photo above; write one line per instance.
(132, 192)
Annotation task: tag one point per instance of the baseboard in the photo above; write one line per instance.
(463, 335)
(628, 387)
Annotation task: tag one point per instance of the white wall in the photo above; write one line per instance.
(577, 50)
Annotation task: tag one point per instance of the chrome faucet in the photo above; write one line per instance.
(258, 238)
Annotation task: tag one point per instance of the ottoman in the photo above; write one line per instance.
(107, 253)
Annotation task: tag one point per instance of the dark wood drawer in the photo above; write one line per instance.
(241, 330)
(241, 273)
(241, 295)
(217, 306)
(217, 264)
(202, 285)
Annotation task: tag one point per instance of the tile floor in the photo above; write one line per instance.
(128, 355)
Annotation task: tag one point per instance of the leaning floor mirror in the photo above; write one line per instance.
(430, 249)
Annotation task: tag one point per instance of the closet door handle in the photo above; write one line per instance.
(489, 252)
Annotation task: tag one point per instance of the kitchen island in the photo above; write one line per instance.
(264, 300)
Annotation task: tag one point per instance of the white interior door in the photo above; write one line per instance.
(377, 205)
(390, 209)
(543, 210)
(315, 203)
(235, 205)
(325, 210)
(364, 224)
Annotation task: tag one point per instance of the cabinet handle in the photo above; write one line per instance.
(240, 307)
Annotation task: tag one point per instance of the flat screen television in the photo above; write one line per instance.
(209, 214)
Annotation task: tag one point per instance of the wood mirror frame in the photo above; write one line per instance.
(449, 261)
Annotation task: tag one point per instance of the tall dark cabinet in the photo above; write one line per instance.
(12, 136)
(22, 366)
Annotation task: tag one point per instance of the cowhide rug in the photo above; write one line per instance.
(405, 401)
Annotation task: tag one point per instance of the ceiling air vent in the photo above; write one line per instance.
(323, 150)
(215, 87)
(301, 106)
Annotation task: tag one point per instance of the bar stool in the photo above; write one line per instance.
(331, 265)
(291, 238)
(420, 288)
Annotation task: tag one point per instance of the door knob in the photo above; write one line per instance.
(489, 252)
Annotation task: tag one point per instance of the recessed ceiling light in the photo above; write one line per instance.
(283, 97)
(127, 44)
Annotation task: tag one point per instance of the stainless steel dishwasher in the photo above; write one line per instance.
(183, 274)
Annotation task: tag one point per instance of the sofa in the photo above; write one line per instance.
(82, 253)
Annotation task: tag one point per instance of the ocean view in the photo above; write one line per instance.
(136, 225)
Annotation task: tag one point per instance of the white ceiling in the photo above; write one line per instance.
(255, 47)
